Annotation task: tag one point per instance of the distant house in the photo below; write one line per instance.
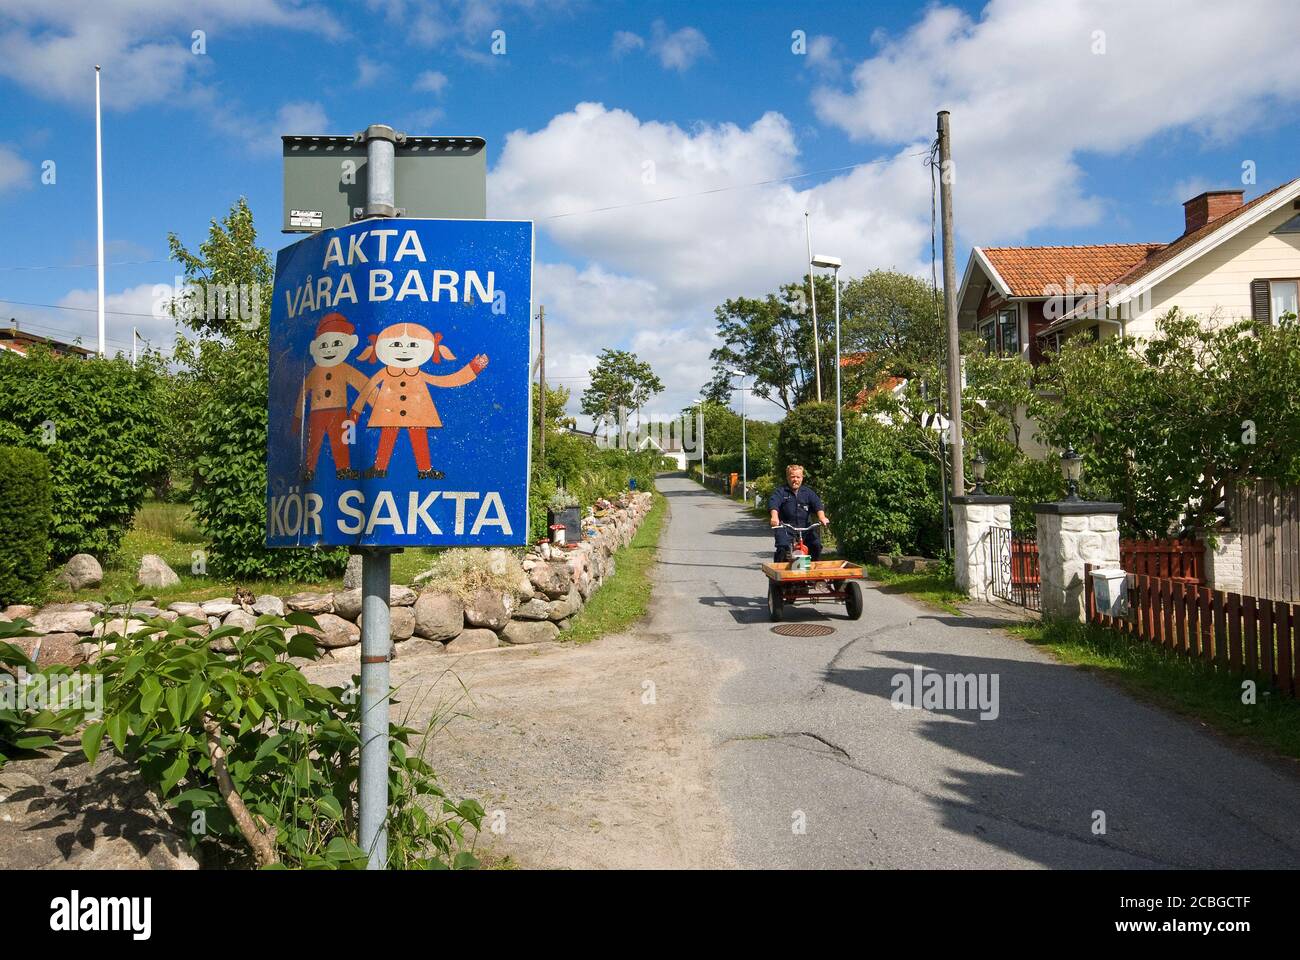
(1233, 260)
(20, 342)
(668, 446)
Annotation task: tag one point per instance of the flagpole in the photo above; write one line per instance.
(99, 208)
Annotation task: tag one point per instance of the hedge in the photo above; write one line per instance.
(25, 521)
(98, 424)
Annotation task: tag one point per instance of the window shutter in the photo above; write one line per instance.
(1259, 301)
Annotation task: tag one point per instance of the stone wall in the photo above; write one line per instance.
(431, 619)
(972, 519)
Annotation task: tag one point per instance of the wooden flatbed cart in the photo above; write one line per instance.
(826, 581)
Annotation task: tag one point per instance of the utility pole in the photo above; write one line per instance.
(541, 366)
(950, 304)
(99, 208)
(812, 292)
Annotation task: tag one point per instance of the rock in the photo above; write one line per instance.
(523, 589)
(80, 605)
(438, 616)
(419, 647)
(17, 611)
(214, 622)
(188, 609)
(118, 626)
(218, 608)
(352, 575)
(564, 608)
(487, 608)
(93, 651)
(154, 572)
(53, 649)
(533, 610)
(312, 603)
(141, 611)
(401, 622)
(474, 639)
(347, 603)
(551, 579)
(399, 596)
(525, 631)
(268, 603)
(63, 621)
(80, 572)
(334, 632)
(241, 619)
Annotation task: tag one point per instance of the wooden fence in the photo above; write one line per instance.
(1177, 559)
(1244, 635)
(1269, 519)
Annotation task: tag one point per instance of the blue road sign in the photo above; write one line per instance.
(399, 402)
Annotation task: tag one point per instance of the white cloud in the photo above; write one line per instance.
(624, 42)
(429, 24)
(15, 172)
(430, 81)
(821, 55)
(369, 71)
(656, 271)
(1029, 95)
(261, 134)
(677, 50)
(144, 46)
(125, 310)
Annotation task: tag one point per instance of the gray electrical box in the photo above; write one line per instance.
(437, 177)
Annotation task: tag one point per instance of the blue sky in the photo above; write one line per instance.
(1074, 121)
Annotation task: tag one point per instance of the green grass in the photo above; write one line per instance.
(932, 588)
(623, 598)
(1189, 688)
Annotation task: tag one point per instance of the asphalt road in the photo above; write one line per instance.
(806, 736)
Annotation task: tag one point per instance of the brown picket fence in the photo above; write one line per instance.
(1179, 559)
(1248, 636)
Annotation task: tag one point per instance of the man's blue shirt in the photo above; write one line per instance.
(798, 509)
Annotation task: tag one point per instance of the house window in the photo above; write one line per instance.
(1009, 331)
(1284, 298)
(990, 334)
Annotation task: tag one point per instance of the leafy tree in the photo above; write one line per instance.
(807, 437)
(227, 366)
(98, 422)
(619, 381)
(883, 496)
(1167, 424)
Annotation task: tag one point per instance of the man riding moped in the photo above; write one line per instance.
(792, 505)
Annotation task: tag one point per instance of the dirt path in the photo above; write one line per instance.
(572, 767)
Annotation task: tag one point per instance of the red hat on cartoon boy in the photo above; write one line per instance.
(334, 323)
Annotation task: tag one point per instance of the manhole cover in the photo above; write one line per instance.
(803, 630)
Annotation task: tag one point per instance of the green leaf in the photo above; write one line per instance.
(117, 730)
(91, 738)
(175, 705)
(174, 772)
(151, 693)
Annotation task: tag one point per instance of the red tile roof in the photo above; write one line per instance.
(1029, 271)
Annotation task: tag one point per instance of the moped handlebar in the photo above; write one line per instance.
(799, 529)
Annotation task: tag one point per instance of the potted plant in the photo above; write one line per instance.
(564, 510)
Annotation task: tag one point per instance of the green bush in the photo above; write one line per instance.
(24, 524)
(586, 472)
(807, 437)
(98, 424)
(883, 497)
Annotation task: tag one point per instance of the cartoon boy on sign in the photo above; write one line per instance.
(399, 393)
(327, 389)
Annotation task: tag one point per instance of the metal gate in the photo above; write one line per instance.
(1013, 567)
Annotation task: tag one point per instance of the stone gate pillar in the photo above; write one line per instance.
(1072, 533)
(972, 518)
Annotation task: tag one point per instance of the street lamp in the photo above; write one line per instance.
(744, 442)
(834, 263)
(979, 467)
(704, 479)
(1072, 470)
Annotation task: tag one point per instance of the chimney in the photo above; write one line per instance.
(1208, 207)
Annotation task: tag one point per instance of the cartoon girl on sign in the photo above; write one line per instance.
(399, 393)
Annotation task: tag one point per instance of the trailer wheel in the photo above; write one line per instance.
(775, 601)
(853, 600)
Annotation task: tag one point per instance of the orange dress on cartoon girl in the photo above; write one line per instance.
(398, 394)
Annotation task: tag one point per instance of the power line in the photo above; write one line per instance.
(56, 306)
(78, 266)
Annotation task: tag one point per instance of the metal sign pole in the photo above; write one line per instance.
(376, 580)
(376, 569)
